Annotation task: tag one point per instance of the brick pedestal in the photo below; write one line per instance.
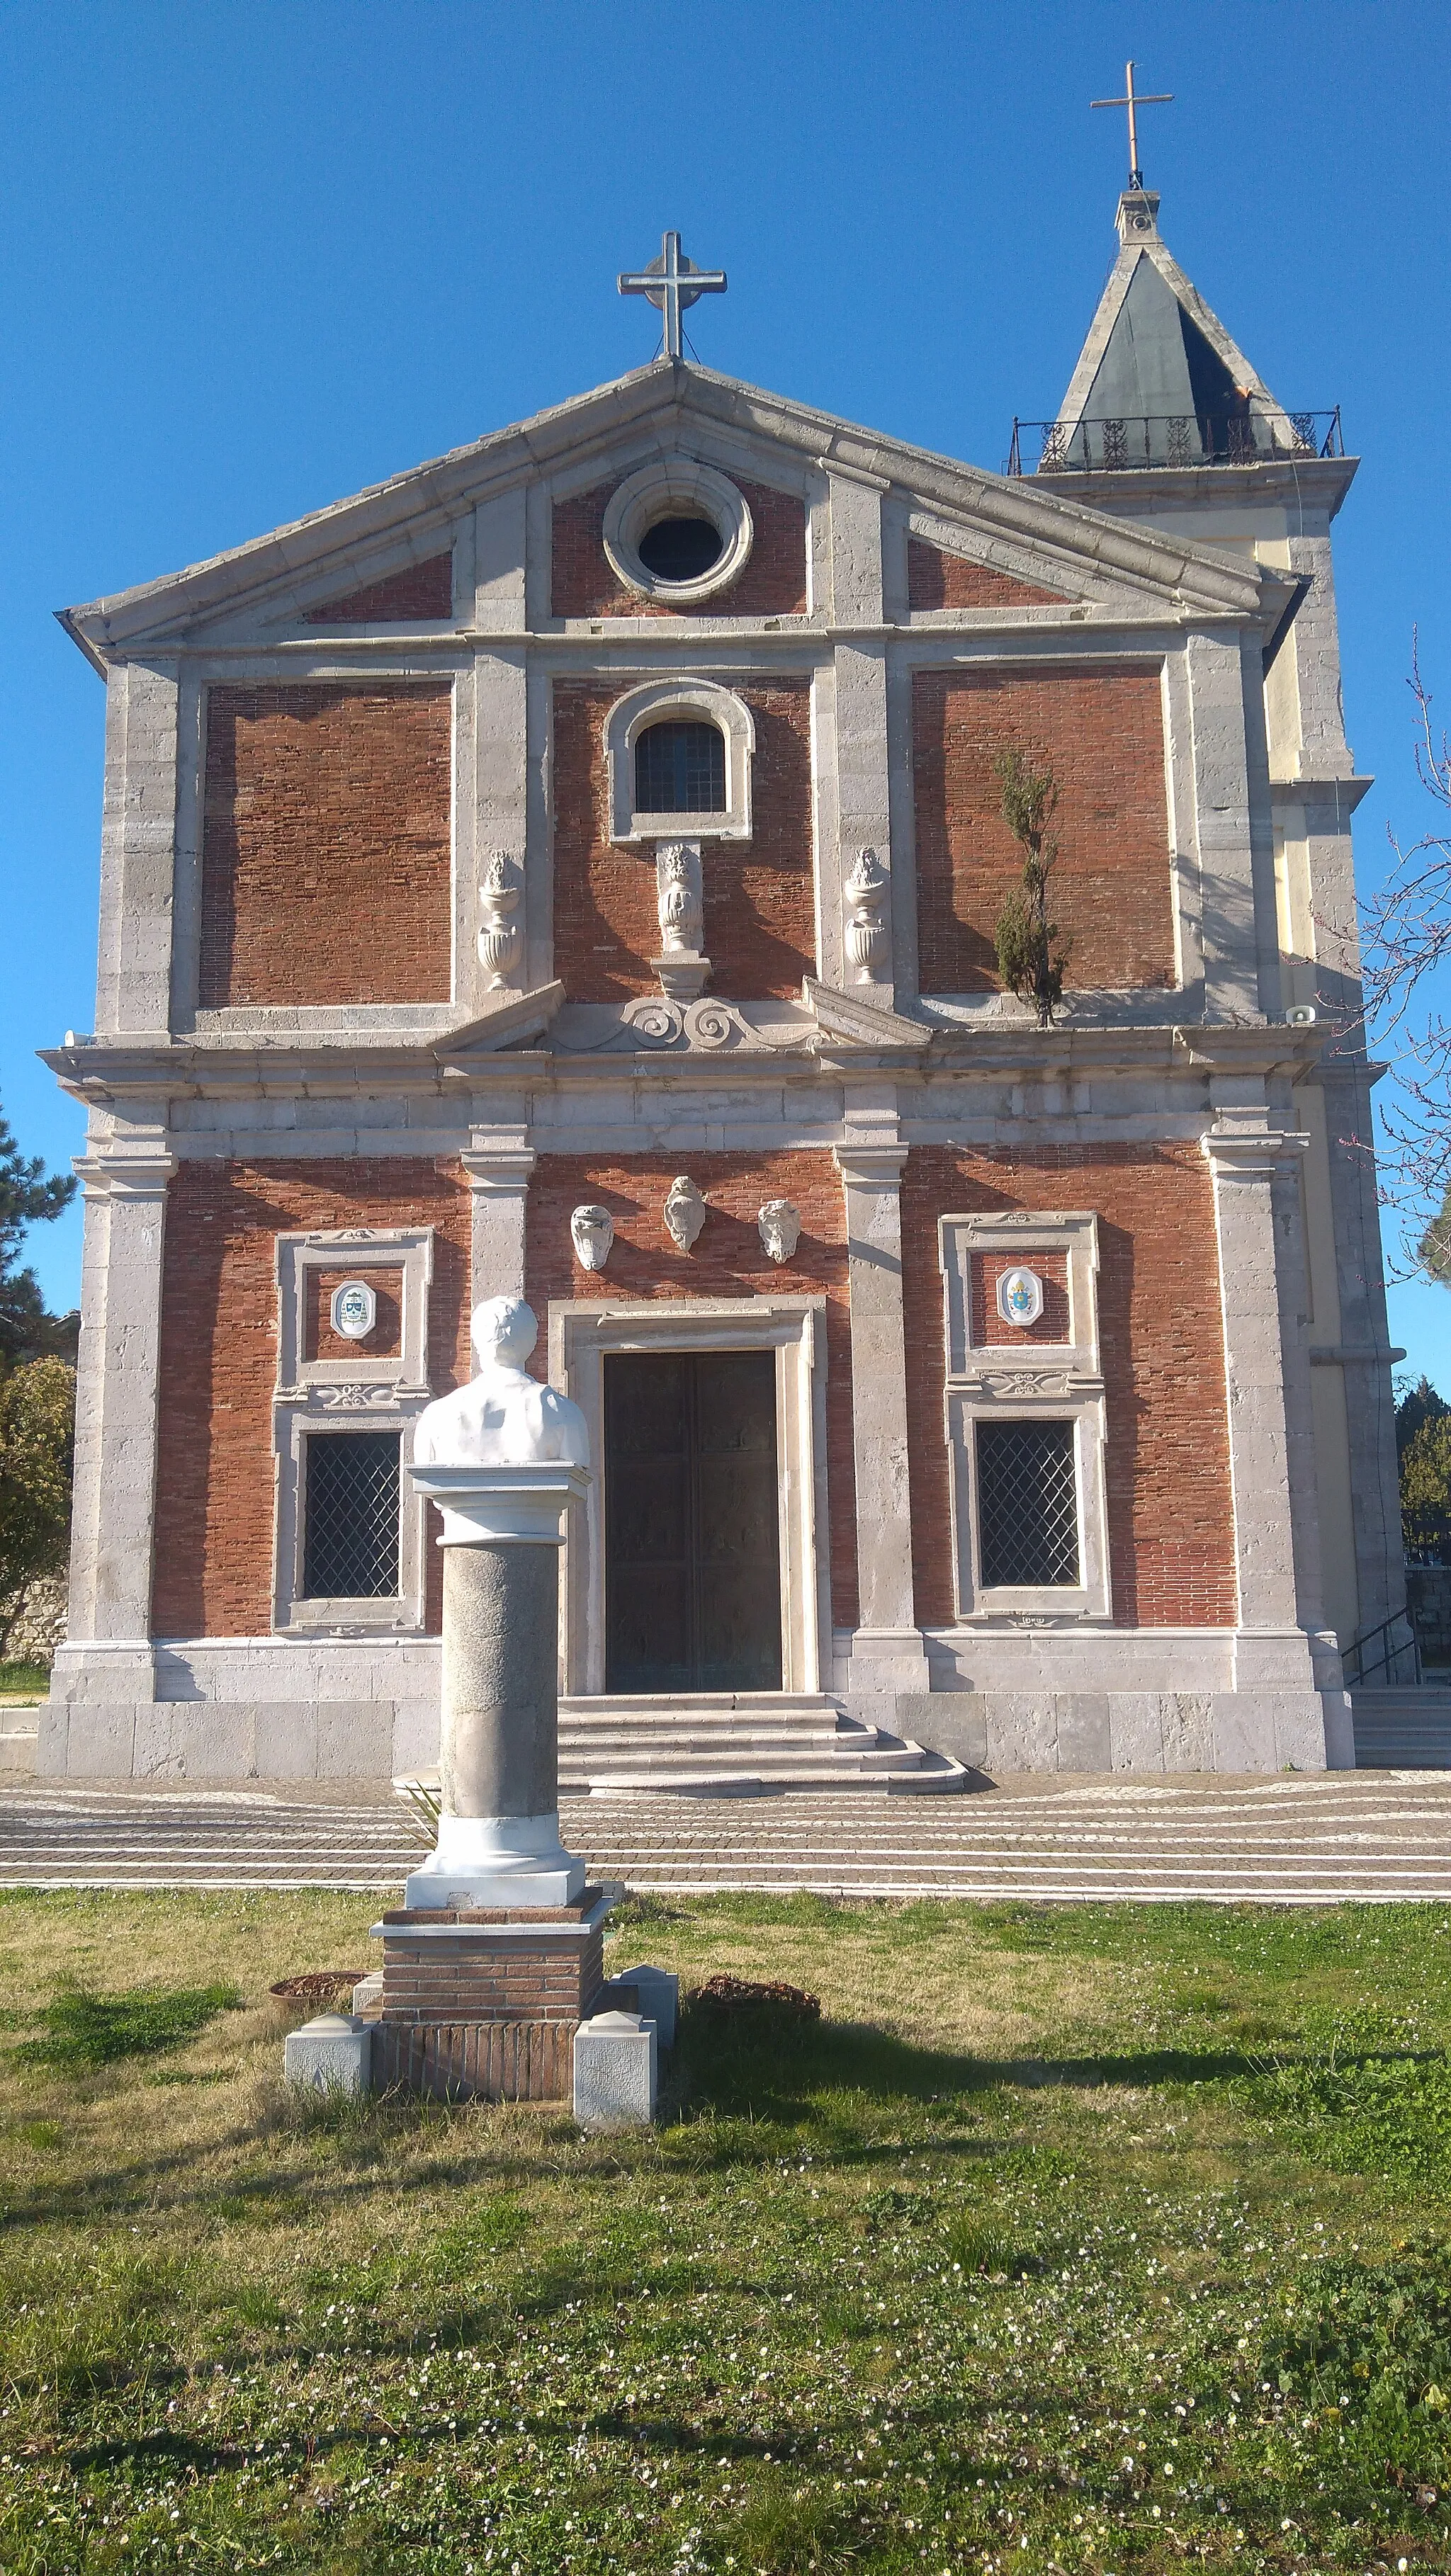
(483, 2002)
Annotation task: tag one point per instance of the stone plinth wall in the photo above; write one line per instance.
(215, 1466)
(326, 858)
(760, 905)
(771, 583)
(1170, 1522)
(727, 1261)
(1102, 735)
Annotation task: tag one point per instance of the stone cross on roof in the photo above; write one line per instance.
(1133, 101)
(672, 282)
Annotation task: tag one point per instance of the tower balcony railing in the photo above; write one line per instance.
(1131, 446)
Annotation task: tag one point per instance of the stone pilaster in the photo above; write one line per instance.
(498, 1163)
(1274, 1717)
(887, 1651)
(108, 1657)
(138, 833)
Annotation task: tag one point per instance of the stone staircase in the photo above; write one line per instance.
(736, 1744)
(19, 1738)
(1406, 1727)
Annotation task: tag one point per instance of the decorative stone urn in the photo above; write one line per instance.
(683, 967)
(502, 1457)
(499, 938)
(867, 939)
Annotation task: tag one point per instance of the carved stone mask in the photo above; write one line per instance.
(592, 1231)
(685, 1211)
(780, 1227)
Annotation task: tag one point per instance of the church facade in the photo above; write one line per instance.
(572, 870)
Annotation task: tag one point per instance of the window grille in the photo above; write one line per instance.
(1027, 1503)
(680, 549)
(680, 769)
(350, 1547)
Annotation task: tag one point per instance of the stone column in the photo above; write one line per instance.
(1274, 1716)
(498, 1833)
(107, 1657)
(887, 1651)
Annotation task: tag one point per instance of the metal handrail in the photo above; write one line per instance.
(1355, 1652)
(1151, 441)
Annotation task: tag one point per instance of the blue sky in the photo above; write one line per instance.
(257, 256)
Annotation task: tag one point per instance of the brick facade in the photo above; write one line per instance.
(326, 862)
(213, 1570)
(936, 579)
(771, 583)
(1170, 1520)
(727, 1262)
(1102, 734)
(420, 591)
(760, 907)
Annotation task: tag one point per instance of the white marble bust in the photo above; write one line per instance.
(503, 1417)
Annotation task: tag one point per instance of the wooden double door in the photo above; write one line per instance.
(692, 1548)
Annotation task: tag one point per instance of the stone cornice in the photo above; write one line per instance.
(852, 1035)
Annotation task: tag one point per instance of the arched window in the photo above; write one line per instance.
(680, 769)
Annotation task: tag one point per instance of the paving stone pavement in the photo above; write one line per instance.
(1289, 1841)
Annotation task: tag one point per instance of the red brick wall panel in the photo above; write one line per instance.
(1170, 1520)
(326, 864)
(215, 1490)
(936, 579)
(760, 907)
(727, 1261)
(771, 583)
(420, 591)
(988, 1327)
(1102, 735)
(320, 1342)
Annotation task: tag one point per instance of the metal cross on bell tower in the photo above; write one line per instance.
(672, 282)
(1133, 101)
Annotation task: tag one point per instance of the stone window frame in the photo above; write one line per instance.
(582, 1333)
(353, 1393)
(677, 701)
(1023, 1381)
(667, 486)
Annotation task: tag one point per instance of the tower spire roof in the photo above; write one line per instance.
(1159, 376)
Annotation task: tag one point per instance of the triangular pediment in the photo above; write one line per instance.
(1010, 541)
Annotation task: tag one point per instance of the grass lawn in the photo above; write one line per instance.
(1078, 2238)
(23, 1681)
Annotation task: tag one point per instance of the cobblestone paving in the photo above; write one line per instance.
(1376, 1836)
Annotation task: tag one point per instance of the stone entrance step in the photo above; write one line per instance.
(19, 1738)
(1405, 1728)
(735, 1744)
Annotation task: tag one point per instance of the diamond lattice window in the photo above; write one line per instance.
(1027, 1503)
(350, 1548)
(680, 769)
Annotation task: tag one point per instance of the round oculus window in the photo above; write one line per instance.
(677, 531)
(681, 549)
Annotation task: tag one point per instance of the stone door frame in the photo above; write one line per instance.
(582, 1334)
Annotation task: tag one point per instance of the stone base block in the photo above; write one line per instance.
(654, 1992)
(616, 2071)
(331, 2054)
(484, 2061)
(998, 1732)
